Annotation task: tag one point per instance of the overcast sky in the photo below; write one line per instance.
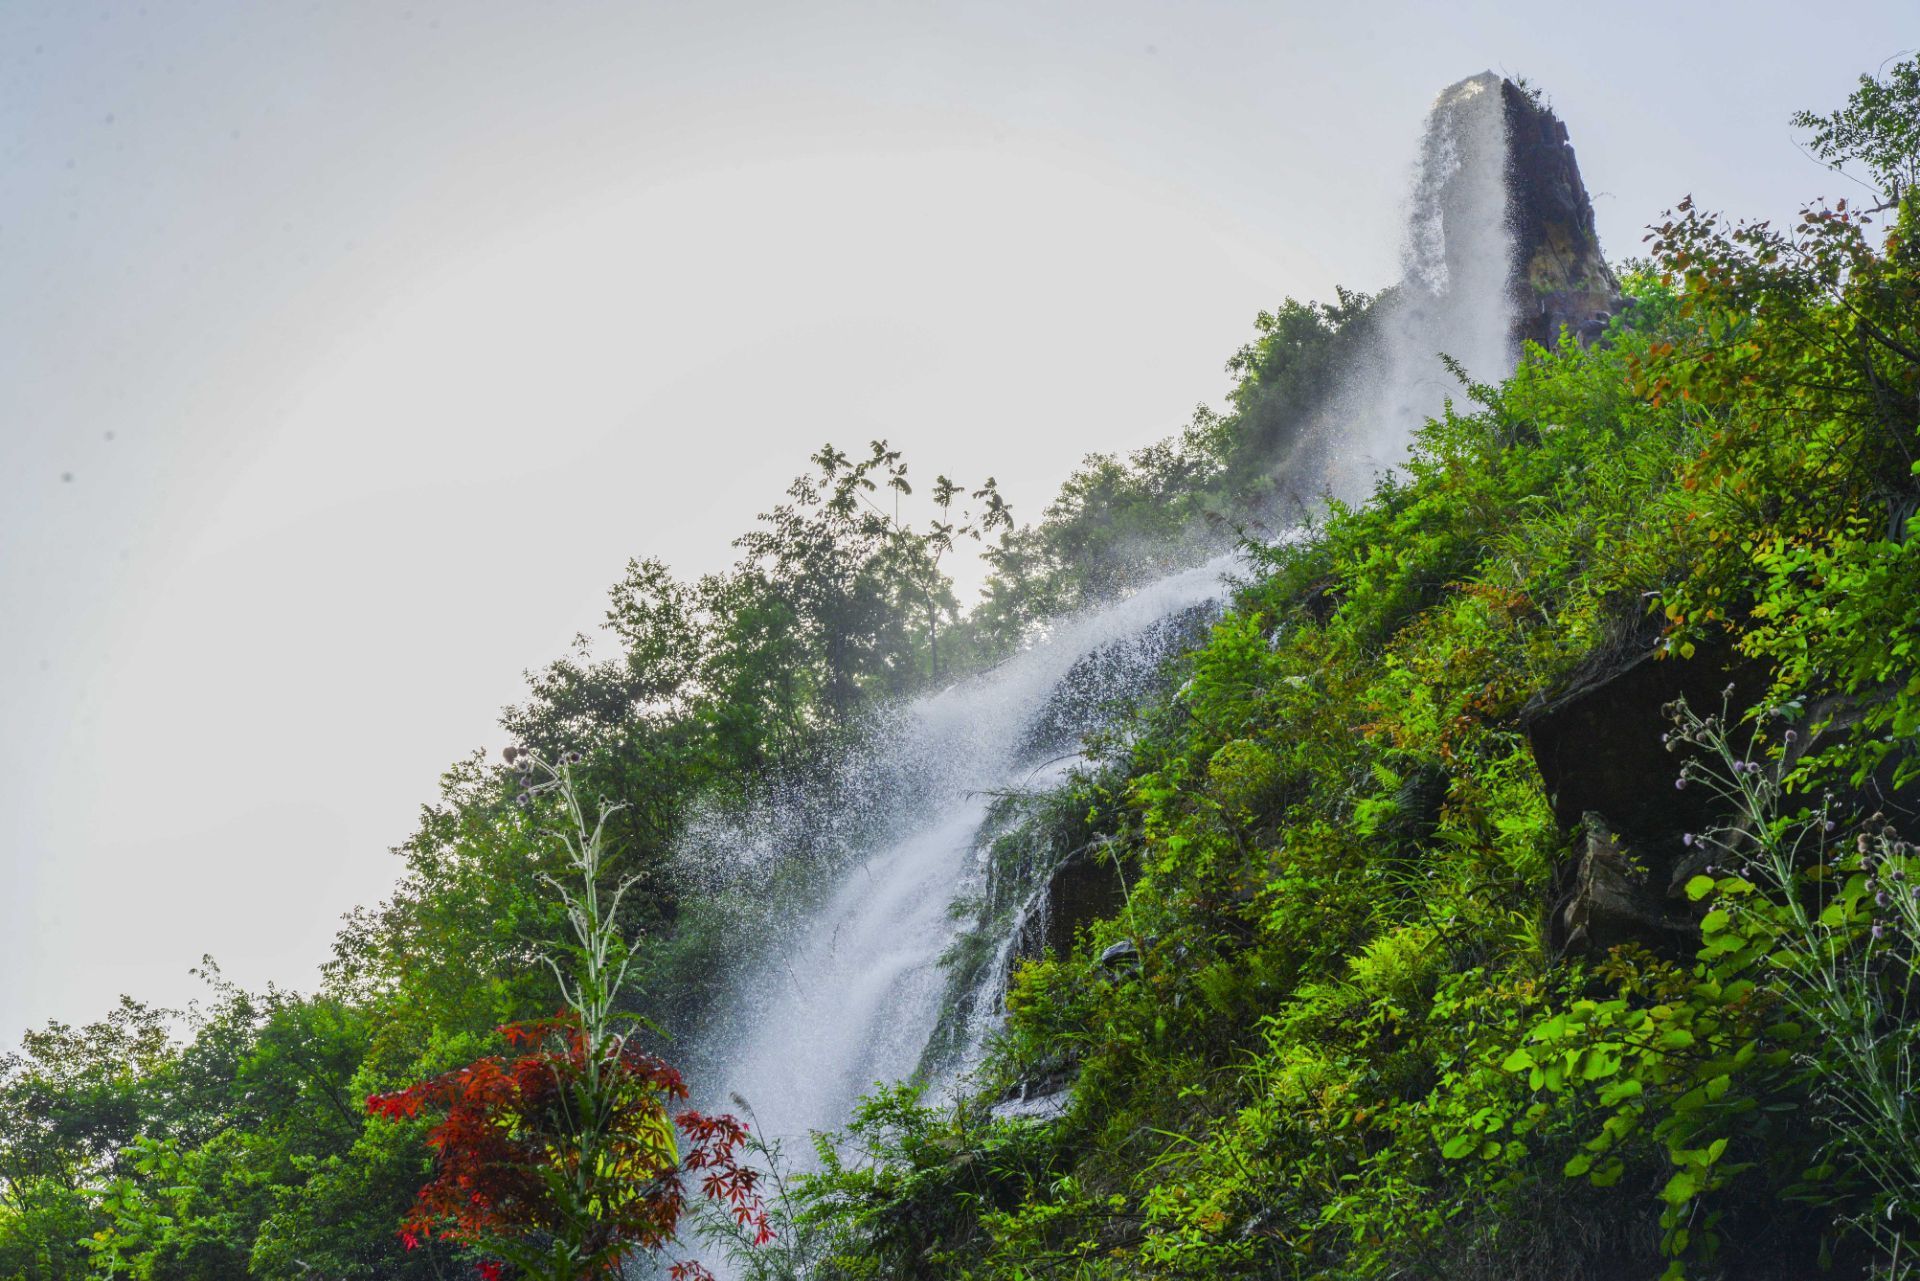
(348, 351)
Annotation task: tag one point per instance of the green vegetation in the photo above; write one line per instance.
(1357, 1037)
(1356, 1043)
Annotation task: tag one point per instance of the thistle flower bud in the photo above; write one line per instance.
(510, 753)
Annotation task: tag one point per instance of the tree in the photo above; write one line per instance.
(1879, 126)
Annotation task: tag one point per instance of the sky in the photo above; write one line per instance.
(348, 351)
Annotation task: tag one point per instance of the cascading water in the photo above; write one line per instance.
(851, 996)
(853, 988)
(1456, 269)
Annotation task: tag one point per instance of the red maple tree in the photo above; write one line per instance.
(564, 1162)
(565, 1158)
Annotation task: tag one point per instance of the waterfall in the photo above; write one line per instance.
(852, 989)
(850, 996)
(1457, 266)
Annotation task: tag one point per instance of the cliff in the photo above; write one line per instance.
(1560, 276)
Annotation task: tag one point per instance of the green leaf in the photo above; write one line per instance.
(1699, 887)
(1614, 1091)
(1459, 1146)
(1682, 1187)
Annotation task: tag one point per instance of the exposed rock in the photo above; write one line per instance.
(1598, 744)
(1045, 1099)
(1600, 753)
(1083, 889)
(1045, 1092)
(1560, 276)
(1613, 899)
(1119, 958)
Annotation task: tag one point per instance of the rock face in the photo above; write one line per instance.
(1598, 747)
(1614, 899)
(1560, 277)
(1083, 889)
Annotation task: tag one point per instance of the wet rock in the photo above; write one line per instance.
(1037, 1107)
(1119, 958)
(1084, 888)
(1044, 1095)
(1561, 277)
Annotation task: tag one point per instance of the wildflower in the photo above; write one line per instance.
(523, 800)
(490, 1271)
(1687, 840)
(1880, 899)
(1879, 930)
(1680, 784)
(511, 753)
(1789, 737)
(571, 758)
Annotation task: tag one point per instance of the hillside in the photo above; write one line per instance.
(1510, 877)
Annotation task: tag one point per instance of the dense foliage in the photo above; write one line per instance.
(1352, 1035)
(1356, 1037)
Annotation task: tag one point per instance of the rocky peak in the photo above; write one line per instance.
(1560, 277)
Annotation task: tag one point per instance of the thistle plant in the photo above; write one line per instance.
(565, 1160)
(1835, 911)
